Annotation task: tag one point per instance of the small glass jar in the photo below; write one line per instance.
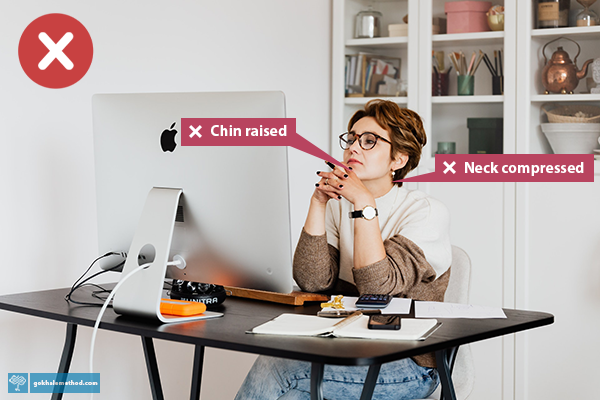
(368, 24)
(553, 13)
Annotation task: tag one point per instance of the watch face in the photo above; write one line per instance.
(369, 213)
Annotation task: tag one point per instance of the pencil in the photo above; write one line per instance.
(477, 64)
(489, 64)
(500, 73)
(452, 58)
(440, 57)
(496, 62)
(470, 70)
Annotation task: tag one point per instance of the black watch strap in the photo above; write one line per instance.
(360, 214)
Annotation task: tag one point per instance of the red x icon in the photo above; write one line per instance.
(55, 51)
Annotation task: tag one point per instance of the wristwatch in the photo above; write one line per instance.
(367, 213)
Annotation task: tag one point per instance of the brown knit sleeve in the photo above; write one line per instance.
(316, 263)
(403, 273)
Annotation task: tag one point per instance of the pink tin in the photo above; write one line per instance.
(467, 16)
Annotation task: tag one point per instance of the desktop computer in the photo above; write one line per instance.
(223, 212)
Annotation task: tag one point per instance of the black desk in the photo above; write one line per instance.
(242, 315)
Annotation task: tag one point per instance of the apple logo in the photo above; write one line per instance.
(167, 139)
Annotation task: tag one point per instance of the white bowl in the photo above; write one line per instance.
(572, 138)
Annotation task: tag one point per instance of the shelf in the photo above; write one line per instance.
(544, 98)
(573, 32)
(364, 100)
(381, 42)
(466, 99)
(476, 38)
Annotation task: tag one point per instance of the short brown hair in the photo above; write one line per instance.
(404, 126)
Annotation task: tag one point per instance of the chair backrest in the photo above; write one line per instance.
(460, 277)
(463, 373)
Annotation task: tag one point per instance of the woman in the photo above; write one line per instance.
(373, 237)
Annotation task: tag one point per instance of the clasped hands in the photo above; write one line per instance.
(340, 183)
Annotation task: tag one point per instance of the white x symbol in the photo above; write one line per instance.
(56, 51)
(449, 167)
(195, 131)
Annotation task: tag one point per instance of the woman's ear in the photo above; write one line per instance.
(400, 161)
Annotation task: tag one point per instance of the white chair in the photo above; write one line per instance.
(463, 373)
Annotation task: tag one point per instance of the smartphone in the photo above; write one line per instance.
(392, 322)
(373, 301)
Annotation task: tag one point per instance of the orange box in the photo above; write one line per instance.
(181, 308)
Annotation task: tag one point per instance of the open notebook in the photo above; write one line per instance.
(352, 327)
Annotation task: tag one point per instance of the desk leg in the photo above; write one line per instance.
(445, 363)
(152, 366)
(67, 355)
(197, 372)
(316, 381)
(370, 382)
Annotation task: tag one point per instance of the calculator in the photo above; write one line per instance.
(373, 301)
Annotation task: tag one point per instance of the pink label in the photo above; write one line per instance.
(247, 132)
(510, 168)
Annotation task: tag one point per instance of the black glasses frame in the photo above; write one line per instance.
(345, 145)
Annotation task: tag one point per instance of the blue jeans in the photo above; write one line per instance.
(276, 378)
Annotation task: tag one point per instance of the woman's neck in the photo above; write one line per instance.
(379, 187)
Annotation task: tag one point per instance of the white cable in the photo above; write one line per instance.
(104, 306)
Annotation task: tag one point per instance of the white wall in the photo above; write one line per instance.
(562, 277)
(47, 195)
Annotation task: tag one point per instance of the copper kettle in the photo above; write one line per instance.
(560, 75)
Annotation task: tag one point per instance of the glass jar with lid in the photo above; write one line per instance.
(368, 24)
(553, 13)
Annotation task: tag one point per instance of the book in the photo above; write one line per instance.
(354, 326)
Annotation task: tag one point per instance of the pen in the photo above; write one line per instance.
(344, 313)
(349, 319)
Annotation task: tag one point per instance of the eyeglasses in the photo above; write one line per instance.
(366, 141)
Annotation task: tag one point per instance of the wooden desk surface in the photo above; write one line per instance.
(241, 315)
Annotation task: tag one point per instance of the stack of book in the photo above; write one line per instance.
(372, 75)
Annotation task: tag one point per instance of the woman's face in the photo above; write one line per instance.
(376, 163)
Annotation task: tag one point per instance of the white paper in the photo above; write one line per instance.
(433, 309)
(397, 305)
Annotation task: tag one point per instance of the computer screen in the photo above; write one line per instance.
(233, 220)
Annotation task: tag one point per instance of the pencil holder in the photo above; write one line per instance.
(439, 84)
(466, 85)
(497, 85)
